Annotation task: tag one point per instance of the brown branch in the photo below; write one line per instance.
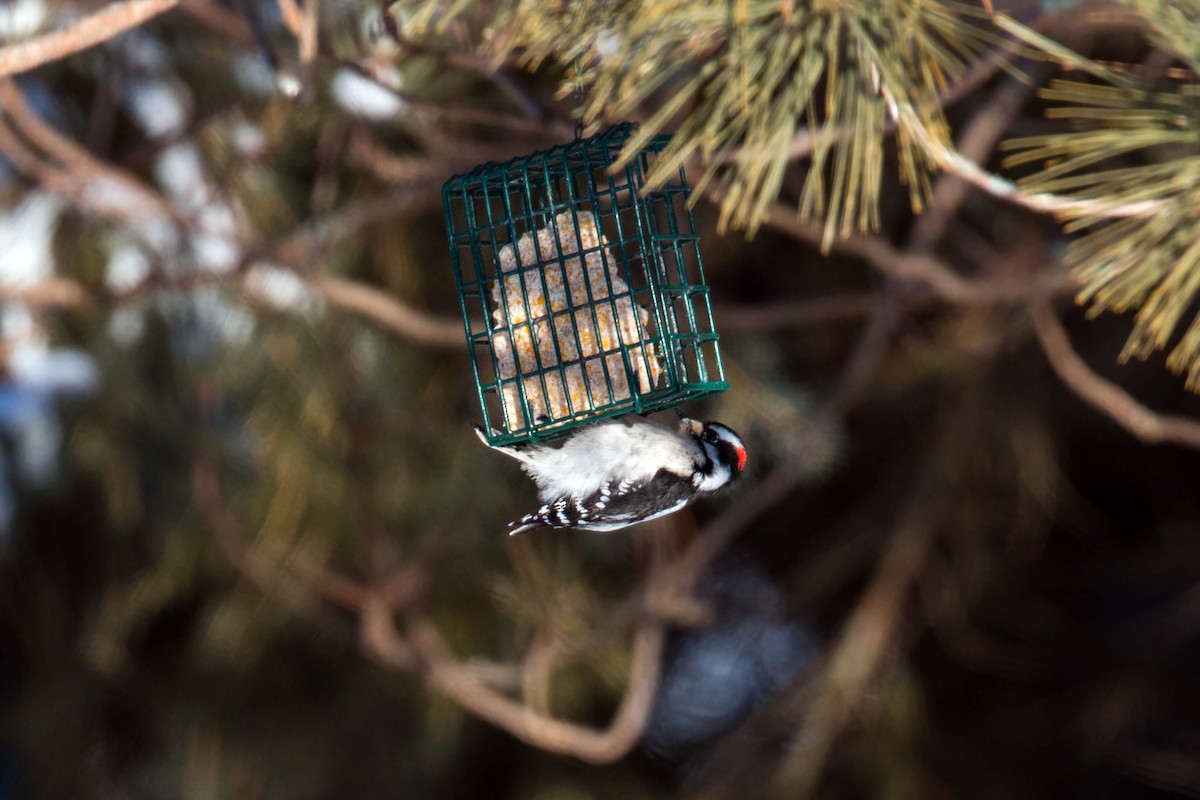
(50, 293)
(877, 251)
(766, 494)
(308, 32)
(977, 141)
(869, 638)
(357, 298)
(218, 18)
(799, 314)
(537, 670)
(875, 633)
(57, 180)
(301, 248)
(460, 113)
(88, 32)
(29, 163)
(258, 568)
(379, 639)
(952, 161)
(483, 66)
(424, 649)
(342, 293)
(338, 589)
(292, 16)
(427, 169)
(922, 268)
(388, 311)
(1173, 771)
(81, 172)
(386, 166)
(743, 512)
(863, 363)
(860, 368)
(1103, 395)
(446, 674)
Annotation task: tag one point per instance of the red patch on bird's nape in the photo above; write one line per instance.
(741, 456)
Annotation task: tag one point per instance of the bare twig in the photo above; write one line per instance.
(426, 168)
(358, 298)
(308, 32)
(798, 314)
(923, 268)
(219, 18)
(482, 66)
(597, 747)
(388, 311)
(863, 364)
(50, 293)
(88, 179)
(424, 649)
(83, 168)
(537, 670)
(306, 244)
(868, 639)
(953, 161)
(860, 369)
(88, 32)
(1104, 395)
(460, 113)
(1170, 771)
(736, 518)
(260, 569)
(976, 143)
(292, 17)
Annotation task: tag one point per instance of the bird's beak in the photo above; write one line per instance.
(690, 427)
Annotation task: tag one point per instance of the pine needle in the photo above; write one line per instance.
(1132, 141)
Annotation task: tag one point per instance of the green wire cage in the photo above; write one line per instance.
(582, 296)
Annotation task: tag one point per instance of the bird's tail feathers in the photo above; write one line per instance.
(529, 522)
(520, 452)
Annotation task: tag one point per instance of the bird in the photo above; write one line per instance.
(618, 472)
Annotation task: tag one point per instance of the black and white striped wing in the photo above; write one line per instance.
(617, 504)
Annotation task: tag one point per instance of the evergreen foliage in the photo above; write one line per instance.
(261, 554)
(1133, 138)
(737, 84)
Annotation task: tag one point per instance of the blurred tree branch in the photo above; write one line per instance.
(90, 31)
(1103, 395)
(422, 650)
(343, 203)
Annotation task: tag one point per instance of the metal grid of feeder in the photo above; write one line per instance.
(582, 296)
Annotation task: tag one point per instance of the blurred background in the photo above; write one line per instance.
(251, 548)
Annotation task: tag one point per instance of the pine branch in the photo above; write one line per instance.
(743, 79)
(1132, 145)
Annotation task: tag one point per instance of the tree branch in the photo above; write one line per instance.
(88, 32)
(443, 672)
(387, 311)
(954, 162)
(89, 181)
(259, 569)
(1103, 395)
(798, 314)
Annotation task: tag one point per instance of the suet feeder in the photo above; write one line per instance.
(582, 294)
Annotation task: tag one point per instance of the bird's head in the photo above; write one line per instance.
(723, 446)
